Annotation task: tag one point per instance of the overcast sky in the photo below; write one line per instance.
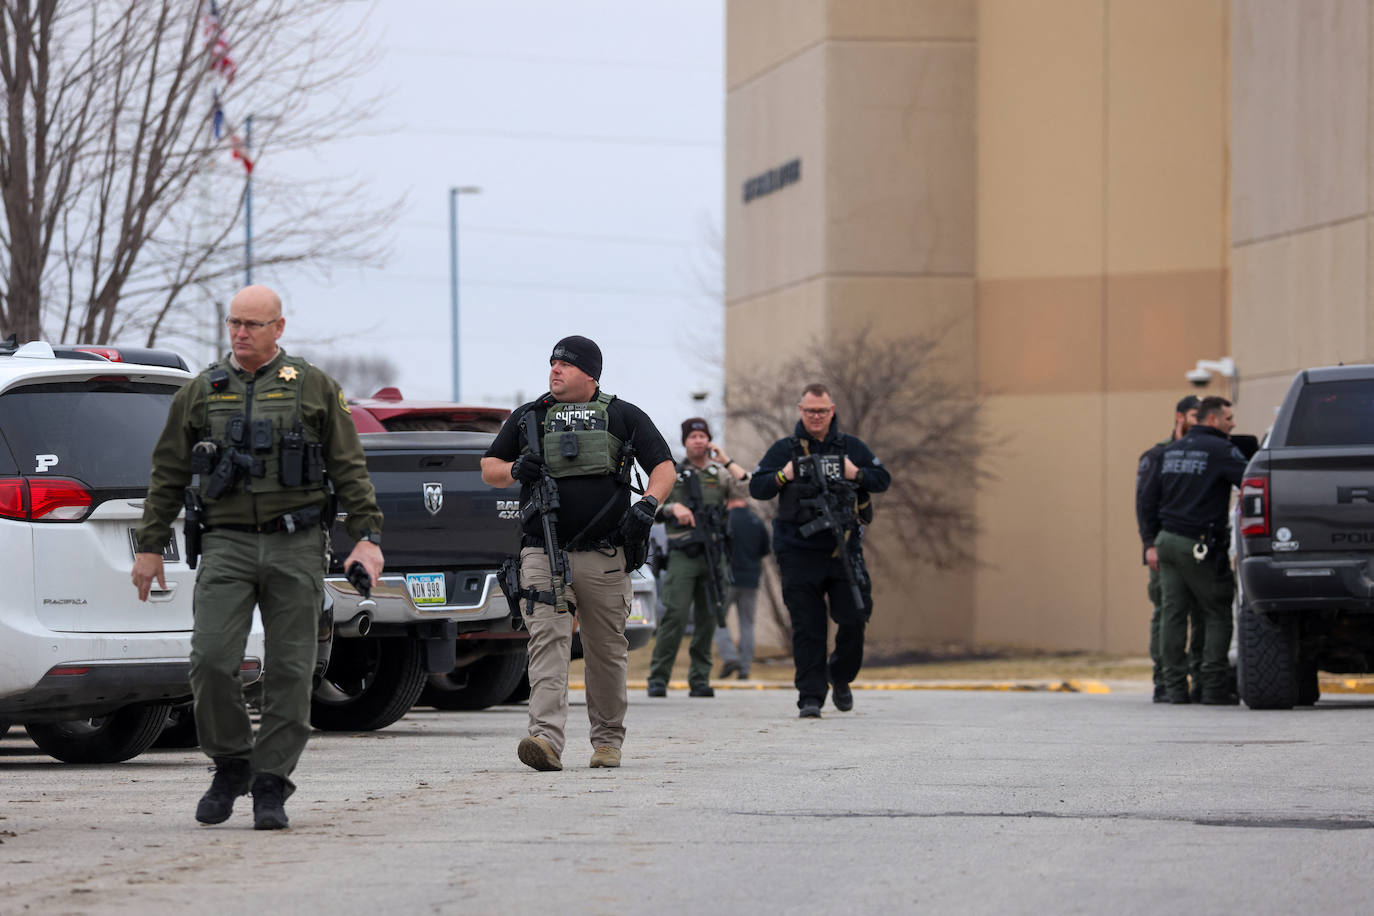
(595, 132)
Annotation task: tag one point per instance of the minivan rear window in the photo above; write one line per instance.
(1334, 413)
(99, 431)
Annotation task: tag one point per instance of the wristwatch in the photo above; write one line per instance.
(374, 537)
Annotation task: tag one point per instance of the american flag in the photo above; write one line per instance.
(220, 63)
(217, 45)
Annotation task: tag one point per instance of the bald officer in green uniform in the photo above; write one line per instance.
(267, 433)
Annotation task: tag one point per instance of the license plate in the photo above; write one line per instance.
(169, 552)
(426, 588)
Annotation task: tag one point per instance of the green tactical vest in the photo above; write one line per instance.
(712, 491)
(578, 441)
(276, 397)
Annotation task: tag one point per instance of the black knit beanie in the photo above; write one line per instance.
(580, 352)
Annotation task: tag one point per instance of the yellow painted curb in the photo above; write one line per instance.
(1072, 686)
(1347, 685)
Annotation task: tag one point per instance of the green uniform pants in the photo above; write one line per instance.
(282, 574)
(1198, 590)
(1196, 639)
(684, 591)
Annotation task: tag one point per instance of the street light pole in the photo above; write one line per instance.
(453, 276)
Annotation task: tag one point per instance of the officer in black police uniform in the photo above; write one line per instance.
(1147, 522)
(811, 567)
(1196, 475)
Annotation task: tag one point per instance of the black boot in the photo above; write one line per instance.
(232, 778)
(269, 801)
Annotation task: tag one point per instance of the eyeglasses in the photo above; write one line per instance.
(817, 411)
(236, 323)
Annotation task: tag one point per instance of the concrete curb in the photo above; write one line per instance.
(1071, 686)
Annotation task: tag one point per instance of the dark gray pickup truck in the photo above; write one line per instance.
(1306, 541)
(436, 623)
(436, 630)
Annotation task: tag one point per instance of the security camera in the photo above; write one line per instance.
(1198, 377)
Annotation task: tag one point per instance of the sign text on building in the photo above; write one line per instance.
(772, 180)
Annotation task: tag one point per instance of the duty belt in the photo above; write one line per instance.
(530, 540)
(289, 523)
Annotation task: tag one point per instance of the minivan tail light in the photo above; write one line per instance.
(13, 496)
(53, 499)
(1254, 507)
(58, 500)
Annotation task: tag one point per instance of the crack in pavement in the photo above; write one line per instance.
(1273, 822)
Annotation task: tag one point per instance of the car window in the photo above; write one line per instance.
(1334, 413)
(442, 424)
(99, 432)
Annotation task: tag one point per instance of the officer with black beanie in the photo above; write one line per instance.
(585, 438)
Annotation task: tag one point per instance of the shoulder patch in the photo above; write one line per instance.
(1144, 462)
(344, 403)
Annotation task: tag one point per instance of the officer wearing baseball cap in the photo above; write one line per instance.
(587, 440)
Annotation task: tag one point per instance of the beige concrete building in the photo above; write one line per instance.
(1099, 193)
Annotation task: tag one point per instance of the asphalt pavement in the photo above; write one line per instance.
(978, 801)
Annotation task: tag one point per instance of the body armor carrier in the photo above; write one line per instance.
(252, 437)
(578, 441)
(790, 508)
(712, 494)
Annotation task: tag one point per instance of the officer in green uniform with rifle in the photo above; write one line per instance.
(572, 451)
(258, 447)
(697, 579)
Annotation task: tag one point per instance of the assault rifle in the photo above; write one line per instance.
(709, 532)
(544, 503)
(834, 505)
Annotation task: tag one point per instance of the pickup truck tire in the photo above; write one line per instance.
(521, 693)
(118, 736)
(1309, 684)
(1268, 669)
(369, 684)
(180, 730)
(485, 682)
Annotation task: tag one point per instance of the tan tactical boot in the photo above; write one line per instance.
(606, 757)
(536, 752)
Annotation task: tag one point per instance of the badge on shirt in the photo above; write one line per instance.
(288, 373)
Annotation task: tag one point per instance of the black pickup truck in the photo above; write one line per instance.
(436, 623)
(1305, 548)
(437, 630)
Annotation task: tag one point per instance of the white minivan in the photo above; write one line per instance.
(87, 668)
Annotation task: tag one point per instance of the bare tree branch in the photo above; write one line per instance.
(115, 217)
(893, 394)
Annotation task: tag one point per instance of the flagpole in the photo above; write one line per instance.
(248, 206)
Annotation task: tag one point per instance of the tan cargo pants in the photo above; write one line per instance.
(602, 593)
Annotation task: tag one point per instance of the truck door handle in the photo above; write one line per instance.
(163, 594)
